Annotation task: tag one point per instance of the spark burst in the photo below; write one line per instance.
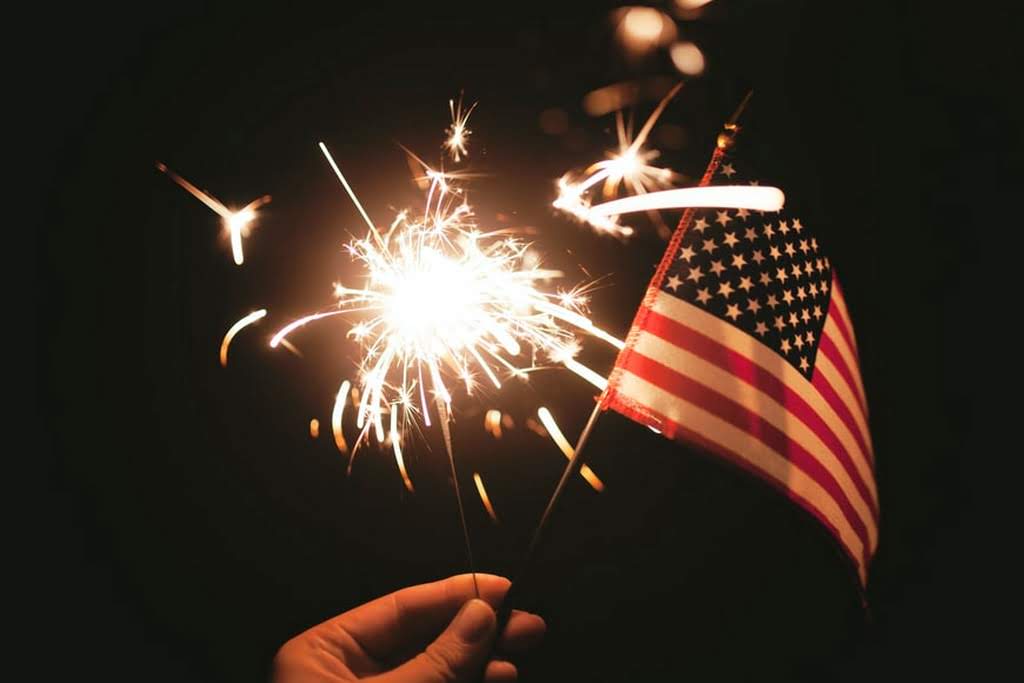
(444, 302)
(458, 133)
(650, 186)
(630, 166)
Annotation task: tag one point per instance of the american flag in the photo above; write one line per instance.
(743, 347)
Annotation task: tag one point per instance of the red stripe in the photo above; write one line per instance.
(828, 347)
(750, 422)
(753, 374)
(673, 430)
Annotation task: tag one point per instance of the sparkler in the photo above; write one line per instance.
(442, 301)
(236, 223)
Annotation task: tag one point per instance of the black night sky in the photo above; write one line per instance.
(191, 525)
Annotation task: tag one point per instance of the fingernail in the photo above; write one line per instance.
(474, 621)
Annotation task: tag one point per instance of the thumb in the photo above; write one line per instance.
(457, 655)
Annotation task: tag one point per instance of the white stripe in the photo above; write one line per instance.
(750, 449)
(763, 405)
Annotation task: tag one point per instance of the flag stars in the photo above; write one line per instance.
(717, 268)
(761, 328)
(703, 295)
(730, 239)
(783, 227)
(790, 251)
(810, 337)
(814, 245)
(766, 279)
(813, 289)
(809, 269)
(797, 226)
(700, 225)
(779, 324)
(723, 218)
(749, 233)
(804, 365)
(780, 275)
(674, 282)
(745, 284)
(753, 306)
(725, 289)
(819, 265)
(801, 293)
(727, 170)
(732, 312)
(786, 348)
(768, 232)
(709, 245)
(787, 296)
(738, 261)
(742, 213)
(817, 313)
(772, 301)
(775, 253)
(796, 271)
(804, 246)
(805, 316)
(824, 286)
(793, 320)
(695, 274)
(758, 256)
(686, 254)
(798, 342)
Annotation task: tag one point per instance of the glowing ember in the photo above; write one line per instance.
(234, 329)
(484, 498)
(492, 423)
(339, 410)
(236, 223)
(314, 428)
(563, 444)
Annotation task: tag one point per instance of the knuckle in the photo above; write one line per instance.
(443, 657)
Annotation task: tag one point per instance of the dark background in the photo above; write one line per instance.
(191, 525)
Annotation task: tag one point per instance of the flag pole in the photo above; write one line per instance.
(521, 578)
(540, 534)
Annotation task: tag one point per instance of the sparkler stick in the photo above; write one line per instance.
(520, 580)
(442, 410)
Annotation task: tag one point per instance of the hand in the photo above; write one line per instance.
(432, 633)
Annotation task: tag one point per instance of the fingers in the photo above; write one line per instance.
(498, 671)
(523, 631)
(414, 615)
(458, 654)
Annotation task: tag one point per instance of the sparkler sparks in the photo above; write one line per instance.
(484, 498)
(235, 329)
(445, 302)
(631, 167)
(236, 223)
(563, 444)
(458, 133)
